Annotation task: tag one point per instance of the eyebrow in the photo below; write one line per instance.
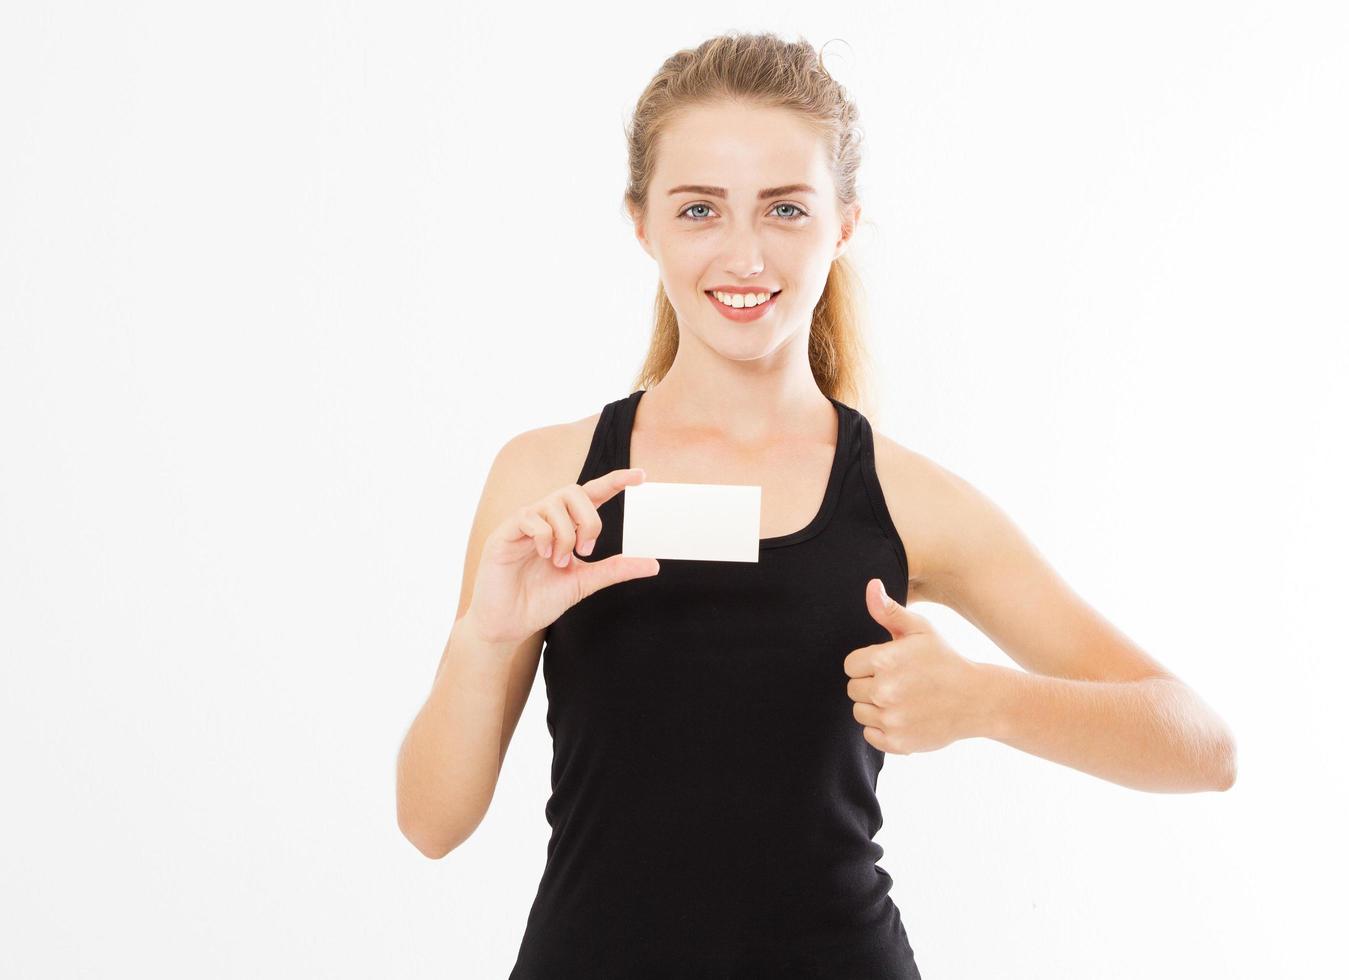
(767, 192)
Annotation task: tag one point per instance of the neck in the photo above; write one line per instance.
(749, 402)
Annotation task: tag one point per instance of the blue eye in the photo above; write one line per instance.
(800, 212)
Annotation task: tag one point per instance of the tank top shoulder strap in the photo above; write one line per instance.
(875, 494)
(607, 439)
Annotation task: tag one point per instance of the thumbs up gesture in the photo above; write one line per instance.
(912, 693)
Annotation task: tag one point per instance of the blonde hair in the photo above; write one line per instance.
(763, 70)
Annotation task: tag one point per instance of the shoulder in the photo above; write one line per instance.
(938, 514)
(528, 466)
(544, 458)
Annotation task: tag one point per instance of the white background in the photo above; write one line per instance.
(278, 279)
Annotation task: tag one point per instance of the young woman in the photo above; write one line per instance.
(718, 727)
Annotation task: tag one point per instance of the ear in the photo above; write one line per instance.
(846, 230)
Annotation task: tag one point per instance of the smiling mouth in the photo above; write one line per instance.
(710, 294)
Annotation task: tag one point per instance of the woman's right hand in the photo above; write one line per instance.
(527, 576)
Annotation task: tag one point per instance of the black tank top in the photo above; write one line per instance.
(713, 800)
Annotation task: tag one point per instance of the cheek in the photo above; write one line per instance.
(812, 257)
(684, 263)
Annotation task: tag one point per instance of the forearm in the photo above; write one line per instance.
(1154, 734)
(450, 759)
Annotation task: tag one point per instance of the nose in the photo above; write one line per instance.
(742, 256)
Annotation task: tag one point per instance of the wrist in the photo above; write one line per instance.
(469, 651)
(472, 634)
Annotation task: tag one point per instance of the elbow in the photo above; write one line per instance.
(433, 821)
(433, 838)
(1227, 764)
(432, 851)
(432, 842)
(435, 831)
(1231, 765)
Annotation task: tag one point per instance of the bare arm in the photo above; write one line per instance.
(1153, 734)
(451, 757)
(1088, 697)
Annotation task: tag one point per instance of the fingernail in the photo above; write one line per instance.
(885, 596)
(586, 548)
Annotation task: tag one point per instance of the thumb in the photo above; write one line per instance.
(596, 575)
(896, 618)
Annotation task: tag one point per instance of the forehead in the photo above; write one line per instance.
(739, 147)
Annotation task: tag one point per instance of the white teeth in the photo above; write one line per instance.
(738, 300)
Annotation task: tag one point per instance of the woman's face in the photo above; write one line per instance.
(742, 197)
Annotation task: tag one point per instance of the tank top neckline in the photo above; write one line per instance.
(832, 488)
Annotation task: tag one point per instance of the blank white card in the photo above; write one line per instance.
(702, 521)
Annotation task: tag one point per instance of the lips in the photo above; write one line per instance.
(731, 292)
(744, 314)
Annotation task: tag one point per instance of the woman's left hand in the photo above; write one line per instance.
(913, 693)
